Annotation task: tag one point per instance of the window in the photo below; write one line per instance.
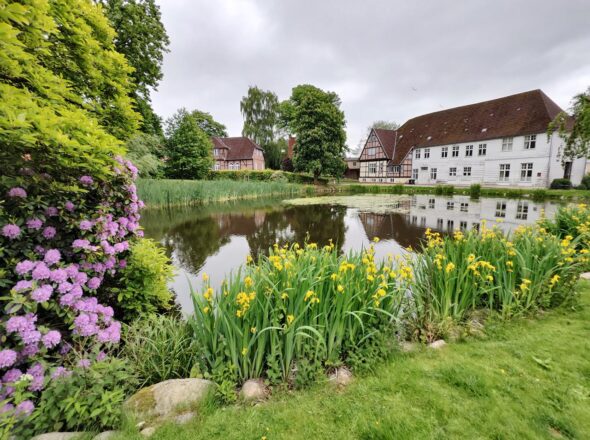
(426, 153)
(372, 168)
(507, 144)
(469, 151)
(450, 225)
(380, 167)
(417, 155)
(444, 152)
(431, 203)
(504, 172)
(452, 172)
(467, 171)
(475, 226)
(234, 165)
(422, 221)
(500, 209)
(463, 225)
(415, 174)
(450, 206)
(464, 207)
(215, 151)
(371, 151)
(482, 149)
(455, 151)
(397, 169)
(414, 219)
(433, 173)
(526, 172)
(354, 164)
(216, 167)
(522, 210)
(530, 142)
(439, 223)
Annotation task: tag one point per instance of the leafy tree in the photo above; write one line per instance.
(63, 90)
(145, 150)
(142, 38)
(575, 132)
(260, 110)
(209, 125)
(315, 118)
(188, 147)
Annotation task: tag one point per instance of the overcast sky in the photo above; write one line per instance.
(386, 59)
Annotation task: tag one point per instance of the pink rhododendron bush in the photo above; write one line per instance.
(64, 242)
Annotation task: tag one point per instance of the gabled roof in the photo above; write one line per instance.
(514, 115)
(240, 148)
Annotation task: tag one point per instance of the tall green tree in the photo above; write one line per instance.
(574, 129)
(64, 90)
(142, 38)
(189, 149)
(260, 110)
(209, 125)
(315, 118)
(145, 151)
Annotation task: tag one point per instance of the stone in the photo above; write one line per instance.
(585, 276)
(106, 435)
(254, 390)
(407, 347)
(183, 418)
(162, 398)
(148, 432)
(437, 345)
(58, 436)
(341, 377)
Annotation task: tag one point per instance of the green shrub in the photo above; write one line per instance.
(88, 399)
(539, 194)
(159, 348)
(561, 184)
(143, 288)
(264, 175)
(585, 184)
(475, 191)
(447, 190)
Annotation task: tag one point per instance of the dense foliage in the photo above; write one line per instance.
(315, 118)
(189, 148)
(145, 151)
(561, 184)
(142, 38)
(575, 129)
(209, 125)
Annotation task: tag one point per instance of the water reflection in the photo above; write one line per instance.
(217, 239)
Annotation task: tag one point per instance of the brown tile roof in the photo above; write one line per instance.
(240, 148)
(515, 115)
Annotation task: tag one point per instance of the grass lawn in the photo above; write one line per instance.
(527, 379)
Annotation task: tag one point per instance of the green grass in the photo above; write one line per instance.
(485, 192)
(527, 379)
(159, 193)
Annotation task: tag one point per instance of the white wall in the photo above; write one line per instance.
(545, 158)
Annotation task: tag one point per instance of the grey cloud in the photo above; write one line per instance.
(386, 59)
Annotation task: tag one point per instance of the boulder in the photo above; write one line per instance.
(106, 435)
(58, 436)
(341, 377)
(161, 399)
(254, 390)
(148, 432)
(585, 276)
(437, 345)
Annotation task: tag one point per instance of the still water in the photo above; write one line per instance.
(217, 239)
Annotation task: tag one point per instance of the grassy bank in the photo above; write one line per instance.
(537, 193)
(160, 193)
(528, 379)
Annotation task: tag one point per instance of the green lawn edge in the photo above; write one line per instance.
(526, 379)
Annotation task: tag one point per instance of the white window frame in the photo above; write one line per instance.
(433, 173)
(504, 175)
(453, 172)
(467, 171)
(216, 166)
(526, 172)
(426, 153)
(417, 153)
(464, 207)
(455, 151)
(500, 210)
(372, 168)
(415, 174)
(482, 149)
(530, 142)
(522, 210)
(507, 143)
(450, 206)
(444, 152)
(469, 151)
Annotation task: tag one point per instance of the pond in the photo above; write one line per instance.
(217, 239)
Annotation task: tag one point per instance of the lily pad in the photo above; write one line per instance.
(374, 203)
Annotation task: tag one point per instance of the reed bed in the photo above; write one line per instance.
(163, 193)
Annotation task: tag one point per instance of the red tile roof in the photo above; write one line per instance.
(515, 115)
(240, 148)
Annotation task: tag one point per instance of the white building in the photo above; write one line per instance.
(502, 142)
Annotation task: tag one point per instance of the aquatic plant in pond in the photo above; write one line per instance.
(298, 303)
(60, 248)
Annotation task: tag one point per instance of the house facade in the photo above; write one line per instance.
(237, 153)
(502, 142)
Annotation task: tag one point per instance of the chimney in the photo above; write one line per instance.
(290, 147)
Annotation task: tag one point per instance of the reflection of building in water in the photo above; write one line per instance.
(462, 212)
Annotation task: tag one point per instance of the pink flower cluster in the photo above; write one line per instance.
(76, 247)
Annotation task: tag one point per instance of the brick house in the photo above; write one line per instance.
(237, 153)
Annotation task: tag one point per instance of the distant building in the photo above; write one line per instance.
(502, 142)
(237, 153)
(353, 168)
